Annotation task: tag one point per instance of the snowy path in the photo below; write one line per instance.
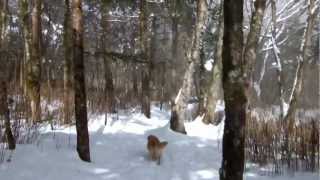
(118, 152)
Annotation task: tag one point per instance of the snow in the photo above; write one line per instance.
(257, 88)
(178, 96)
(206, 132)
(209, 64)
(118, 152)
(285, 108)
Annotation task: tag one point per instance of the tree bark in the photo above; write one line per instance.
(79, 83)
(67, 67)
(179, 107)
(234, 92)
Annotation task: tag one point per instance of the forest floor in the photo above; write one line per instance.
(118, 152)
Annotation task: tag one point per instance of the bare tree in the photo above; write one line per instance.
(4, 111)
(234, 92)
(146, 72)
(34, 64)
(215, 83)
(175, 40)
(109, 86)
(3, 18)
(276, 53)
(305, 53)
(4, 108)
(24, 19)
(289, 116)
(79, 83)
(179, 106)
(237, 81)
(67, 68)
(250, 50)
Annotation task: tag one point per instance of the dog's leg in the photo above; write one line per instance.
(159, 160)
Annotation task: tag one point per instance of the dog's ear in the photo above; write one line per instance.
(152, 137)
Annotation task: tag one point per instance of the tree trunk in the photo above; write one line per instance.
(250, 51)
(174, 47)
(146, 93)
(146, 72)
(79, 84)
(306, 44)
(34, 66)
(179, 107)
(234, 92)
(67, 67)
(4, 111)
(314, 138)
(4, 108)
(3, 18)
(289, 117)
(24, 18)
(277, 58)
(201, 83)
(215, 83)
(279, 72)
(109, 86)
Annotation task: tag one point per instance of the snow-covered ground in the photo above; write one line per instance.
(118, 152)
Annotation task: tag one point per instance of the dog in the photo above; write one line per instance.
(155, 148)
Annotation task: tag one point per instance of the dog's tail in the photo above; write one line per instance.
(163, 144)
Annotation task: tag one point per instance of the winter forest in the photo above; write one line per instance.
(159, 89)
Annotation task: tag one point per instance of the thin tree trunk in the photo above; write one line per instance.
(201, 84)
(174, 47)
(109, 87)
(146, 72)
(306, 44)
(34, 66)
(162, 84)
(108, 76)
(280, 77)
(79, 84)
(314, 138)
(289, 117)
(135, 84)
(67, 67)
(24, 18)
(234, 92)
(277, 57)
(215, 83)
(145, 86)
(250, 51)
(4, 73)
(4, 111)
(3, 18)
(179, 107)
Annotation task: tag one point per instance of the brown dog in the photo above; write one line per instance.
(155, 148)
